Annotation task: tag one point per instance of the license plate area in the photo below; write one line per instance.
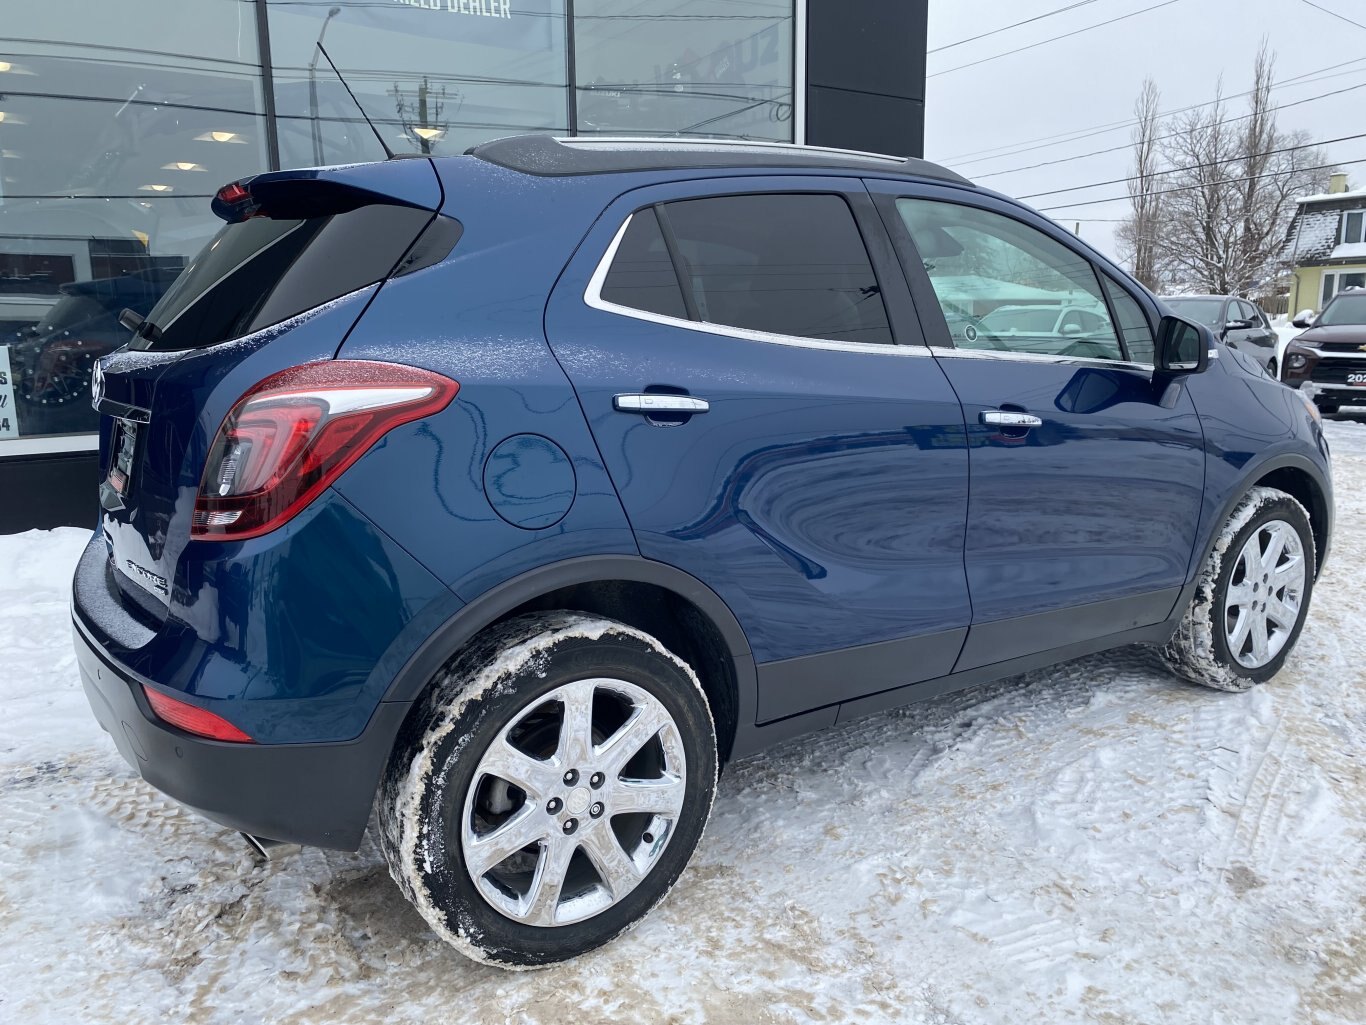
(1357, 378)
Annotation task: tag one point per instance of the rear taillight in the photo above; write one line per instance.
(296, 432)
(193, 719)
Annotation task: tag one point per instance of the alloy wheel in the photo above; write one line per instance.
(574, 802)
(1265, 594)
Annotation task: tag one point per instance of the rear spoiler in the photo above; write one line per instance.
(321, 191)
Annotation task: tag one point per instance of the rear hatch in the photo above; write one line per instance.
(280, 285)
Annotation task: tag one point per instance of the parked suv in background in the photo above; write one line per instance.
(515, 493)
(1240, 324)
(1328, 361)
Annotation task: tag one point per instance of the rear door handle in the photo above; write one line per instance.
(659, 403)
(1005, 418)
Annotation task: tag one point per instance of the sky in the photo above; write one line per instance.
(979, 119)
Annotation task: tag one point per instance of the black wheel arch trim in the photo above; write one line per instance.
(501, 599)
(1250, 479)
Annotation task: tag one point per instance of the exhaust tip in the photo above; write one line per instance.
(269, 850)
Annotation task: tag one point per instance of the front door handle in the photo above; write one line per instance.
(652, 403)
(1005, 418)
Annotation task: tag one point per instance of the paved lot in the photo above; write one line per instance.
(1094, 843)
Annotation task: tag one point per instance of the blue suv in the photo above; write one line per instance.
(513, 494)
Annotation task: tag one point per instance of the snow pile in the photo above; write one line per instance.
(1097, 842)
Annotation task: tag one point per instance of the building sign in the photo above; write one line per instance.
(9, 416)
(511, 24)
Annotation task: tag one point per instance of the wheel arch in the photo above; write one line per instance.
(1291, 472)
(1307, 488)
(686, 616)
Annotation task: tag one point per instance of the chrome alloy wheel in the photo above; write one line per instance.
(574, 802)
(1265, 594)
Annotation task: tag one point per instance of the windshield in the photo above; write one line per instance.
(1202, 311)
(1344, 309)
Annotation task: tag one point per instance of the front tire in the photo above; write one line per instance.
(549, 789)
(1252, 597)
(1327, 408)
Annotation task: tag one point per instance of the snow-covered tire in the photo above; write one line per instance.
(439, 801)
(1199, 651)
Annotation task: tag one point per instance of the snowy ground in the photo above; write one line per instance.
(1095, 843)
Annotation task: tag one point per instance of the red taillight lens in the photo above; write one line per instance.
(296, 432)
(193, 719)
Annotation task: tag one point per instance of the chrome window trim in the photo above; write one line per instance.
(592, 296)
(950, 352)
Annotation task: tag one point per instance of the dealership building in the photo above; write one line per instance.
(119, 121)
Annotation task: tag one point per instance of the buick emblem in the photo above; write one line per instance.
(97, 385)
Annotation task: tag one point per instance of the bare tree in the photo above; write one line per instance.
(1137, 235)
(1227, 185)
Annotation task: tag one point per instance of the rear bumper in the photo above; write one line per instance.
(314, 794)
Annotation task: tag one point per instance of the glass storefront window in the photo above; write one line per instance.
(119, 121)
(696, 67)
(435, 76)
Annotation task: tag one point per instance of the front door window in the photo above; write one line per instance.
(1005, 286)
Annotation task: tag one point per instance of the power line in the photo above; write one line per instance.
(1203, 185)
(1172, 135)
(1196, 167)
(1335, 14)
(997, 152)
(1054, 39)
(1007, 28)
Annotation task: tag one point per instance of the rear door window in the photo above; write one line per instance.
(261, 271)
(778, 263)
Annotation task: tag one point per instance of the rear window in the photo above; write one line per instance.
(261, 271)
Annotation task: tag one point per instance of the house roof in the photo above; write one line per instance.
(1325, 197)
(1313, 235)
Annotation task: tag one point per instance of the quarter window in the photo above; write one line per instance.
(986, 268)
(642, 275)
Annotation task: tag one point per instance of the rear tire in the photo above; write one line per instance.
(549, 788)
(1327, 408)
(1252, 596)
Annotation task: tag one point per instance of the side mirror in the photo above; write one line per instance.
(130, 319)
(1071, 329)
(1305, 318)
(1182, 347)
(1237, 325)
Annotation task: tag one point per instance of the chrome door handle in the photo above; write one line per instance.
(1005, 418)
(659, 403)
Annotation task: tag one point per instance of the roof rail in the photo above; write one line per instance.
(708, 142)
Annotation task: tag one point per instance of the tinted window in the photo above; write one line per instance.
(979, 262)
(642, 275)
(1133, 325)
(791, 265)
(1248, 312)
(261, 271)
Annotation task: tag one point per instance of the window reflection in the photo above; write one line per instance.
(436, 77)
(702, 67)
(110, 145)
